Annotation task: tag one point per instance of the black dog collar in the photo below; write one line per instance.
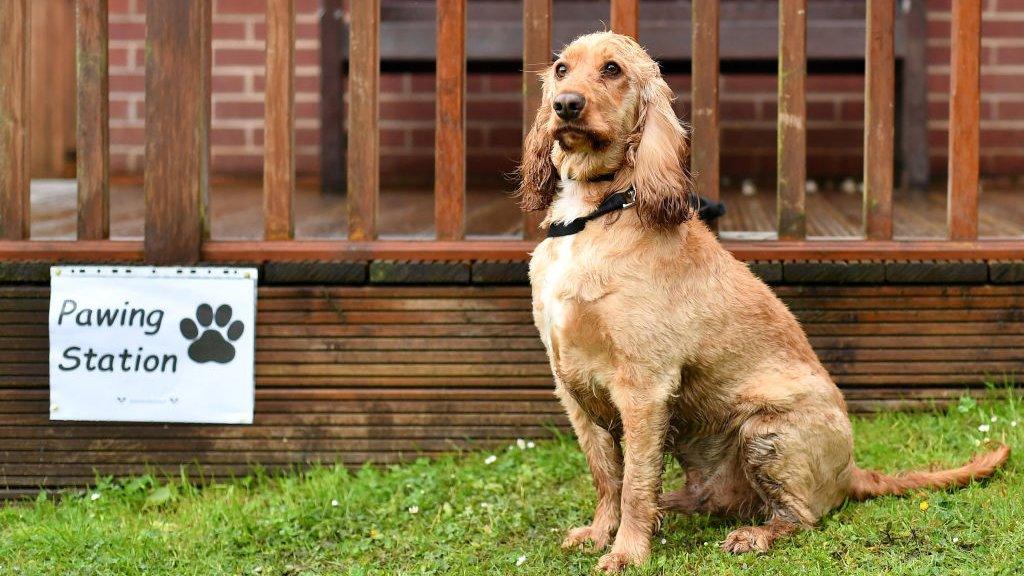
(707, 210)
(613, 203)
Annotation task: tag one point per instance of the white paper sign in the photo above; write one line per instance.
(145, 344)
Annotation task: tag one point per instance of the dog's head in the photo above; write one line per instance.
(606, 107)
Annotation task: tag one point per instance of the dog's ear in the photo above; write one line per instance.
(657, 151)
(537, 174)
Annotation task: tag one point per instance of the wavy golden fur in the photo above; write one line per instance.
(660, 341)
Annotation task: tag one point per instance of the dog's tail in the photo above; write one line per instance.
(869, 483)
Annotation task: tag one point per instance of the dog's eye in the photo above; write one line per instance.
(610, 70)
(560, 70)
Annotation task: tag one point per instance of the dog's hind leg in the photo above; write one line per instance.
(760, 462)
(796, 469)
(680, 501)
(685, 500)
(758, 538)
(604, 458)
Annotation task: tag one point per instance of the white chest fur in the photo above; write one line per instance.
(570, 202)
(553, 285)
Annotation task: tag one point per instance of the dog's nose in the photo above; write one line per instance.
(569, 105)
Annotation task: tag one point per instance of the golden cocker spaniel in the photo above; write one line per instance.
(660, 341)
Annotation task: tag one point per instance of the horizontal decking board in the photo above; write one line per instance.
(271, 426)
(271, 363)
(235, 450)
(270, 357)
(908, 373)
(844, 328)
(384, 293)
(16, 348)
(866, 375)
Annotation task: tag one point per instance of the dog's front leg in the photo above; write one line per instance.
(604, 458)
(642, 401)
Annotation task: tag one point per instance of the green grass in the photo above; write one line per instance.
(479, 518)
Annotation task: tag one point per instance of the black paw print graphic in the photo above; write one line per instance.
(212, 346)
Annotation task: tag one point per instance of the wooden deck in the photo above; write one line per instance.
(236, 211)
(387, 373)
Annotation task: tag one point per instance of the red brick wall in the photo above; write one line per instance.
(1002, 85)
(238, 81)
(835, 103)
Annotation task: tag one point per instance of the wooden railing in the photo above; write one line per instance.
(178, 123)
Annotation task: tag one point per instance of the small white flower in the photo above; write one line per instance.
(664, 541)
(491, 459)
(334, 503)
(485, 505)
(977, 442)
(521, 560)
(530, 444)
(95, 496)
(983, 428)
(521, 443)
(414, 509)
(994, 418)
(1013, 424)
(955, 539)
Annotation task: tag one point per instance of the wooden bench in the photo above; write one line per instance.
(749, 43)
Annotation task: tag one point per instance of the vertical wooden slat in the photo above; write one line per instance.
(332, 97)
(626, 17)
(879, 109)
(704, 146)
(536, 57)
(913, 111)
(450, 135)
(177, 129)
(14, 118)
(964, 110)
(279, 139)
(363, 137)
(792, 145)
(93, 135)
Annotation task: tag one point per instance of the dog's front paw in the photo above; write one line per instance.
(747, 539)
(615, 562)
(578, 537)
